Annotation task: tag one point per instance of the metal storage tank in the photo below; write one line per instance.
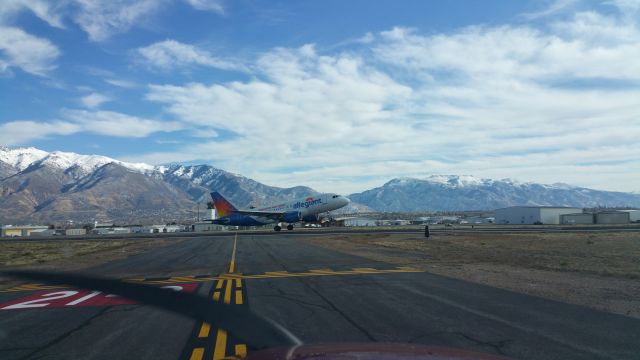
(575, 219)
(612, 217)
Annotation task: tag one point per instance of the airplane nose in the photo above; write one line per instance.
(345, 201)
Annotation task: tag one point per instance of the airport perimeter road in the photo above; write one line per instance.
(319, 294)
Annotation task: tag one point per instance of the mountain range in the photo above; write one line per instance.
(38, 186)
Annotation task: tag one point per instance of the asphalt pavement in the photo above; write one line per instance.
(320, 295)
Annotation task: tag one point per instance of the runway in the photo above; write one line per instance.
(320, 295)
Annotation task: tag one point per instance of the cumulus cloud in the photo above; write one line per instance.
(94, 100)
(170, 54)
(30, 53)
(499, 101)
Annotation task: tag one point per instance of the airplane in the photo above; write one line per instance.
(306, 209)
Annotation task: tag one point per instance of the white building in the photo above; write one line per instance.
(634, 215)
(207, 226)
(359, 222)
(533, 214)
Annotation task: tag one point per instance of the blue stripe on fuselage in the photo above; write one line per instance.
(239, 220)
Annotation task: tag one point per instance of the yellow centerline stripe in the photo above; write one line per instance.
(221, 345)
(197, 354)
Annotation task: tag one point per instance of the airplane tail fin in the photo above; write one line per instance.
(222, 205)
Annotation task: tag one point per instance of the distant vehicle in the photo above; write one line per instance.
(303, 210)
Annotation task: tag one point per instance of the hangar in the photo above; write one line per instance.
(533, 214)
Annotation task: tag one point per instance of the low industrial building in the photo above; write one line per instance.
(477, 220)
(25, 230)
(111, 230)
(634, 215)
(80, 231)
(207, 226)
(533, 214)
(612, 217)
(359, 222)
(576, 219)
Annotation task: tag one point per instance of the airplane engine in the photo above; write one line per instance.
(292, 216)
(311, 218)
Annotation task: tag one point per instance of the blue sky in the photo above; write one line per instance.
(337, 95)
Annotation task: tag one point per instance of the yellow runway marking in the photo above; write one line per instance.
(220, 280)
(227, 292)
(238, 297)
(197, 354)
(204, 330)
(221, 345)
(219, 284)
(241, 350)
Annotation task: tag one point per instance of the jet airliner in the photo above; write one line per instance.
(306, 209)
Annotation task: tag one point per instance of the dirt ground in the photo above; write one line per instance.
(598, 270)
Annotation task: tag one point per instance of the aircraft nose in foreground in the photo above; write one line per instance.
(344, 201)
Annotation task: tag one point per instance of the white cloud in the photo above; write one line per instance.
(30, 53)
(553, 8)
(107, 123)
(101, 19)
(44, 10)
(94, 100)
(170, 54)
(121, 83)
(112, 123)
(207, 5)
(23, 131)
(503, 101)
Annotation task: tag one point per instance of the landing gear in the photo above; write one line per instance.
(289, 227)
(277, 228)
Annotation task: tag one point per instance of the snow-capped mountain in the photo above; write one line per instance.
(40, 186)
(36, 185)
(466, 192)
(199, 180)
(22, 158)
